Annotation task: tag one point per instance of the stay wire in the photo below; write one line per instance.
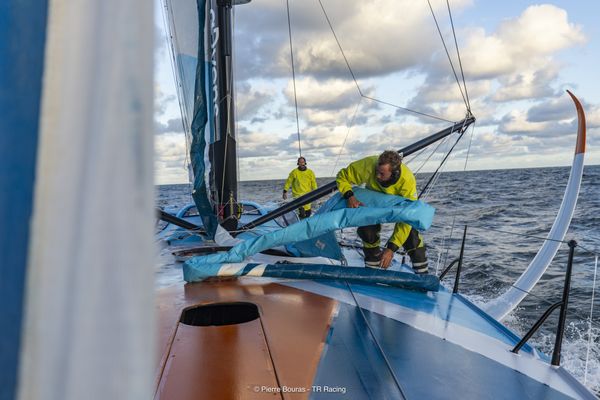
(462, 132)
(408, 109)
(425, 192)
(414, 157)
(356, 81)
(589, 251)
(475, 226)
(167, 15)
(549, 303)
(287, 2)
(448, 55)
(458, 56)
(417, 158)
(440, 143)
(587, 355)
(469, 148)
(340, 47)
(346, 137)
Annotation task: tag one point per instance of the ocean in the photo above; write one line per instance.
(508, 214)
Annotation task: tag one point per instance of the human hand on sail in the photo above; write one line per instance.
(386, 258)
(353, 202)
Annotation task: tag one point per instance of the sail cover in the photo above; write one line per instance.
(317, 272)
(193, 37)
(380, 208)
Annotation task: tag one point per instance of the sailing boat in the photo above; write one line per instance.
(251, 325)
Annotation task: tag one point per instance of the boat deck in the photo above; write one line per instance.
(311, 340)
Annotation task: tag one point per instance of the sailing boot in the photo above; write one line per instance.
(372, 257)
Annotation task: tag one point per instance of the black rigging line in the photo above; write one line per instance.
(408, 109)
(293, 76)
(340, 46)
(443, 141)
(356, 81)
(346, 137)
(448, 54)
(424, 190)
(458, 55)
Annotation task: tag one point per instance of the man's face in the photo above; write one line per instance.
(301, 162)
(383, 173)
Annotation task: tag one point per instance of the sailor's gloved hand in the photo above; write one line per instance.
(386, 258)
(284, 195)
(353, 202)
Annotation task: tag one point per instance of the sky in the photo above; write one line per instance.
(518, 58)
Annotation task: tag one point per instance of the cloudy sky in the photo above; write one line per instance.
(518, 58)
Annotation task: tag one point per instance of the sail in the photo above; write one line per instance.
(189, 23)
(76, 196)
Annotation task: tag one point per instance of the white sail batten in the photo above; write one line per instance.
(508, 301)
(89, 324)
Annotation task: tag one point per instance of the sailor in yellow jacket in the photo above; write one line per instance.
(302, 180)
(386, 174)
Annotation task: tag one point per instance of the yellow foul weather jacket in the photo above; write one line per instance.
(363, 171)
(301, 183)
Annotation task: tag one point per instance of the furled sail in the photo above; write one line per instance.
(317, 272)
(193, 36)
(505, 303)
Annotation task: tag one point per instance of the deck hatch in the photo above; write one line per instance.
(219, 314)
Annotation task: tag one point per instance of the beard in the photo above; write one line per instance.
(388, 183)
(302, 167)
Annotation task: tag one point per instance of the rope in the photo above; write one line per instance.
(293, 76)
(469, 148)
(443, 141)
(458, 55)
(448, 54)
(587, 356)
(356, 81)
(180, 89)
(408, 109)
(475, 226)
(548, 303)
(414, 157)
(444, 160)
(435, 176)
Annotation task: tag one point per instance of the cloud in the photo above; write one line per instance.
(250, 101)
(258, 144)
(520, 43)
(171, 126)
(331, 94)
(366, 31)
(552, 110)
(162, 101)
(516, 61)
(170, 159)
(513, 72)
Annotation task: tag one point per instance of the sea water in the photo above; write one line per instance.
(508, 214)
